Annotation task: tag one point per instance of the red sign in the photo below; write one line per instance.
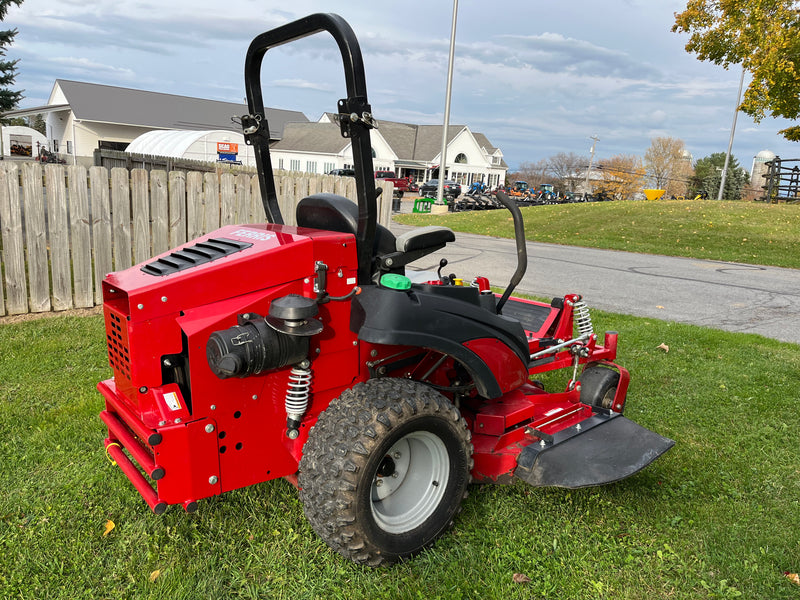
(227, 148)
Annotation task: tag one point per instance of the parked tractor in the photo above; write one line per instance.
(268, 351)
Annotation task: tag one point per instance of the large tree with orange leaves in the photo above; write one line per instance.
(761, 35)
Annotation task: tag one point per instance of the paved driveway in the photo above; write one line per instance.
(729, 296)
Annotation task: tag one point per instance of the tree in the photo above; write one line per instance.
(534, 173)
(623, 176)
(708, 176)
(568, 169)
(668, 165)
(762, 36)
(38, 123)
(8, 68)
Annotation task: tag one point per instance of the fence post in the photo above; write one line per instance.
(36, 237)
(101, 228)
(13, 241)
(80, 232)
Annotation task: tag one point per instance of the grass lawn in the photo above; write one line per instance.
(744, 232)
(716, 517)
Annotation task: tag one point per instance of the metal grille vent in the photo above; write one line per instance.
(193, 256)
(118, 356)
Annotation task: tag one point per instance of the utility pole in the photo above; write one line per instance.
(443, 157)
(730, 140)
(594, 139)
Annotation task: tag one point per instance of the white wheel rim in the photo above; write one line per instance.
(403, 500)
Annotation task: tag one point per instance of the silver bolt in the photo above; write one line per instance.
(619, 406)
(578, 427)
(177, 420)
(396, 455)
(213, 407)
(209, 428)
(255, 396)
(292, 434)
(339, 274)
(140, 306)
(379, 483)
(167, 362)
(162, 423)
(306, 280)
(373, 353)
(355, 342)
(543, 443)
(163, 298)
(213, 479)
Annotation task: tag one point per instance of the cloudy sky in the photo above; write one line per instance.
(536, 77)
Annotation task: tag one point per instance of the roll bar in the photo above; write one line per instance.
(355, 121)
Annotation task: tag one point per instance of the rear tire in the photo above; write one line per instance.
(599, 386)
(384, 470)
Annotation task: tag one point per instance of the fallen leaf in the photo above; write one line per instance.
(521, 578)
(661, 307)
(663, 347)
(154, 575)
(793, 577)
(109, 526)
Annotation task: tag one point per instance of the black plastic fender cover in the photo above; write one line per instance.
(605, 449)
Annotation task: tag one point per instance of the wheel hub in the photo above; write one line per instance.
(410, 482)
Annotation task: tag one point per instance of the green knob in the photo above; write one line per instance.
(396, 282)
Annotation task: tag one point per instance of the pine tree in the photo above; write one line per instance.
(9, 98)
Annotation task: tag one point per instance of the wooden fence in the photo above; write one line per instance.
(65, 227)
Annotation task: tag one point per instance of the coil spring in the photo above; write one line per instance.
(582, 318)
(297, 392)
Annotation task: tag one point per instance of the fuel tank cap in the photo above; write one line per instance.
(396, 282)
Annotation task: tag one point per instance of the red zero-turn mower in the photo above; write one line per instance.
(265, 351)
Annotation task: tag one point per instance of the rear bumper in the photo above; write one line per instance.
(177, 464)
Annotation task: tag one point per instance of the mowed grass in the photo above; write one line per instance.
(716, 517)
(744, 232)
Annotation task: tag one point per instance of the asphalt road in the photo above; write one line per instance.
(729, 296)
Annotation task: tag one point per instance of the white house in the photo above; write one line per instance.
(408, 150)
(82, 116)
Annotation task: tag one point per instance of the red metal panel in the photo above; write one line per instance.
(506, 366)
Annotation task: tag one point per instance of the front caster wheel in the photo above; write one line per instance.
(599, 386)
(384, 470)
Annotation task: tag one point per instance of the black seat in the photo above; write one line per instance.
(330, 212)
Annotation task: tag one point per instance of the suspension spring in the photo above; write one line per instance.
(582, 318)
(297, 393)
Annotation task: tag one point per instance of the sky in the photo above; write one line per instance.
(537, 78)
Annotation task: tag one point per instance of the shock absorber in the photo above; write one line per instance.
(582, 318)
(297, 392)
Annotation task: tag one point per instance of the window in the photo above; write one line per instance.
(103, 144)
(461, 159)
(294, 165)
(311, 166)
(280, 163)
(69, 146)
(328, 167)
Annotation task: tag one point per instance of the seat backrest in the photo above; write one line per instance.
(331, 212)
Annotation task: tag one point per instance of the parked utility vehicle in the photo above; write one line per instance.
(264, 351)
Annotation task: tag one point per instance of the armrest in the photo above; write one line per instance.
(424, 237)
